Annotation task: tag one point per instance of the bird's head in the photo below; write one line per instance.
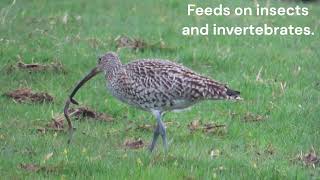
(109, 62)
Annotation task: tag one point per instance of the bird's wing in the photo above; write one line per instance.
(175, 81)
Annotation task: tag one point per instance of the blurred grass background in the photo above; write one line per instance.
(75, 32)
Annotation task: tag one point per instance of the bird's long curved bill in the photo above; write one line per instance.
(70, 99)
(90, 75)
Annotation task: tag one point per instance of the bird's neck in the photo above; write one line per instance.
(113, 70)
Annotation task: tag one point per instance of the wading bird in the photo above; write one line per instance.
(154, 85)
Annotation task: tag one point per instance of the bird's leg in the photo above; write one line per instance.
(159, 130)
(156, 134)
(163, 133)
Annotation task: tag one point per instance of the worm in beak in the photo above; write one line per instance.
(90, 75)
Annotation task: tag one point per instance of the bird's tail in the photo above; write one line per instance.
(232, 94)
(216, 90)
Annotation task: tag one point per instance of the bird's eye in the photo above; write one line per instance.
(99, 60)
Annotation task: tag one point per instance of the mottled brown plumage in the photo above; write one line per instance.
(163, 85)
(157, 86)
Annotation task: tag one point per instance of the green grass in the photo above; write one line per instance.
(34, 31)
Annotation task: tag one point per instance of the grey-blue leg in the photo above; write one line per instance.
(159, 130)
(163, 133)
(156, 134)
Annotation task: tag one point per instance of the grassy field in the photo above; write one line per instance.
(264, 134)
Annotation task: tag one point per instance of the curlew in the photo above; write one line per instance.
(154, 85)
